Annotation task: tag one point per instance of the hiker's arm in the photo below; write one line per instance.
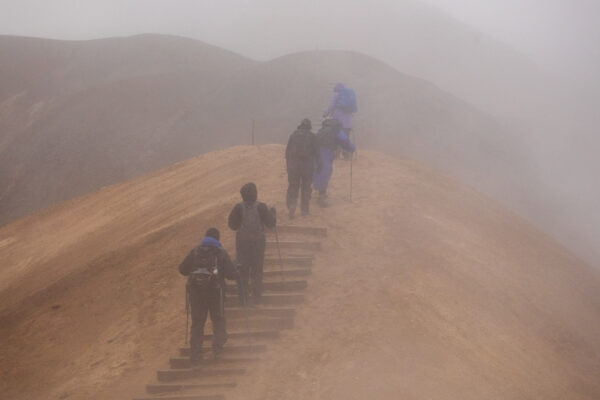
(226, 265)
(343, 140)
(235, 218)
(186, 267)
(331, 107)
(267, 217)
(287, 150)
(317, 153)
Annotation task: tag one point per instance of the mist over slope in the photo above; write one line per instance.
(79, 115)
(75, 116)
(424, 289)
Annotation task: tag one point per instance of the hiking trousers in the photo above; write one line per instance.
(251, 255)
(204, 300)
(300, 179)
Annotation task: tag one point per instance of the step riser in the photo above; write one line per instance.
(288, 262)
(250, 349)
(252, 312)
(275, 323)
(183, 397)
(287, 273)
(302, 230)
(256, 324)
(184, 363)
(180, 374)
(310, 246)
(170, 388)
(248, 335)
(273, 300)
(281, 286)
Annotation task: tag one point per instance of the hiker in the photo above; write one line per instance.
(342, 106)
(206, 267)
(301, 156)
(249, 219)
(329, 138)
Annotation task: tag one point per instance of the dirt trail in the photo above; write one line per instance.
(425, 290)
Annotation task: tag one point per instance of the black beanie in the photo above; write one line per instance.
(213, 233)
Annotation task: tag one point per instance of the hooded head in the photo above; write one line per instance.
(213, 233)
(249, 192)
(339, 87)
(211, 238)
(305, 125)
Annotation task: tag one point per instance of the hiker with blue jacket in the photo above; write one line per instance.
(342, 106)
(207, 266)
(329, 138)
(249, 219)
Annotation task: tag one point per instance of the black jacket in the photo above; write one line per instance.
(302, 141)
(266, 216)
(249, 195)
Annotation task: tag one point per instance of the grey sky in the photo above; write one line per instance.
(564, 35)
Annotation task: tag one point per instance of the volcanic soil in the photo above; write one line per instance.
(425, 289)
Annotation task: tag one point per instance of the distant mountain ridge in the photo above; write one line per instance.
(79, 115)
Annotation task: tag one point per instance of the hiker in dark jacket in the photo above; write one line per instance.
(207, 266)
(249, 219)
(301, 156)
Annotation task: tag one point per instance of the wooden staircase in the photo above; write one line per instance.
(250, 330)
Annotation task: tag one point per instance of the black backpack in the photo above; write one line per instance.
(207, 263)
(328, 133)
(252, 226)
(300, 146)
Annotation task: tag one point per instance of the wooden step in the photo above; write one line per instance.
(287, 273)
(285, 299)
(261, 323)
(239, 349)
(276, 286)
(171, 375)
(295, 261)
(258, 334)
(186, 397)
(160, 388)
(184, 362)
(294, 245)
(302, 230)
(265, 312)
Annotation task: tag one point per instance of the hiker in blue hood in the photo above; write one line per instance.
(207, 266)
(329, 138)
(342, 112)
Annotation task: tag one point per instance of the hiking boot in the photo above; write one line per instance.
(304, 213)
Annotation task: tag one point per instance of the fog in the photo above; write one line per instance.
(533, 64)
(562, 35)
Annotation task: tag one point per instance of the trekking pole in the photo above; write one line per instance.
(245, 304)
(187, 311)
(280, 258)
(351, 157)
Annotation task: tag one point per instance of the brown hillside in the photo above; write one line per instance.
(75, 116)
(424, 289)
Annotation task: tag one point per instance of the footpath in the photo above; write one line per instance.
(251, 329)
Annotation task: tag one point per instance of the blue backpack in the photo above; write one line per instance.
(346, 101)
